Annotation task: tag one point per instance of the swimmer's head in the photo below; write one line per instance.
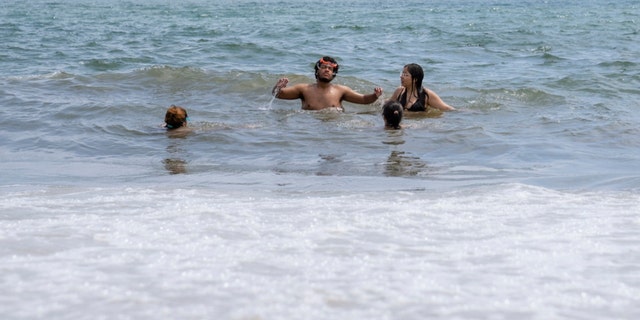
(417, 74)
(392, 114)
(175, 117)
(326, 62)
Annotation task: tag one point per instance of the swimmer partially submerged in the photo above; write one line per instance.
(176, 117)
(392, 115)
(323, 94)
(413, 96)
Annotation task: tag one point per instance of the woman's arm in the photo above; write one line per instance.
(433, 100)
(396, 94)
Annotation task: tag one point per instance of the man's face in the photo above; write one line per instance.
(325, 72)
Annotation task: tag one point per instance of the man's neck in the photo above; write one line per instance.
(323, 84)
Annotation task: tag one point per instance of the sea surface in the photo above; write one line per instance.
(522, 204)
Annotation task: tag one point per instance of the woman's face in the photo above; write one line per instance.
(406, 80)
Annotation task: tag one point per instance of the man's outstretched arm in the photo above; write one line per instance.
(354, 97)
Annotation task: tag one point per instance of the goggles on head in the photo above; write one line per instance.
(323, 62)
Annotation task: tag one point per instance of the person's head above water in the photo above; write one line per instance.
(175, 117)
(417, 75)
(326, 63)
(392, 114)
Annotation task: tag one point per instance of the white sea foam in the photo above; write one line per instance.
(520, 205)
(192, 253)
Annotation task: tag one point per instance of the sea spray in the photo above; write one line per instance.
(274, 94)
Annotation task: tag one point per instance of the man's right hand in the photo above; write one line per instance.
(279, 85)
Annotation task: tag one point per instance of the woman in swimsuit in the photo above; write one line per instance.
(413, 96)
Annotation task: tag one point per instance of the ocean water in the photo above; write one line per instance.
(522, 204)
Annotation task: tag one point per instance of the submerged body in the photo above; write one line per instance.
(323, 94)
(413, 96)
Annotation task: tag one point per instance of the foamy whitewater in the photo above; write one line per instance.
(522, 204)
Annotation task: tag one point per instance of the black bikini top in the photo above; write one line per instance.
(418, 105)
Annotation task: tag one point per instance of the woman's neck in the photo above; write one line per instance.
(411, 91)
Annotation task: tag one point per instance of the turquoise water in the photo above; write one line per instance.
(522, 204)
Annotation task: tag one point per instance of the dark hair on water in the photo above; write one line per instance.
(175, 117)
(392, 114)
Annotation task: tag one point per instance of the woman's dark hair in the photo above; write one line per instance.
(392, 113)
(417, 74)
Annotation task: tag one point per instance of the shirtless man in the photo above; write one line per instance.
(323, 94)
